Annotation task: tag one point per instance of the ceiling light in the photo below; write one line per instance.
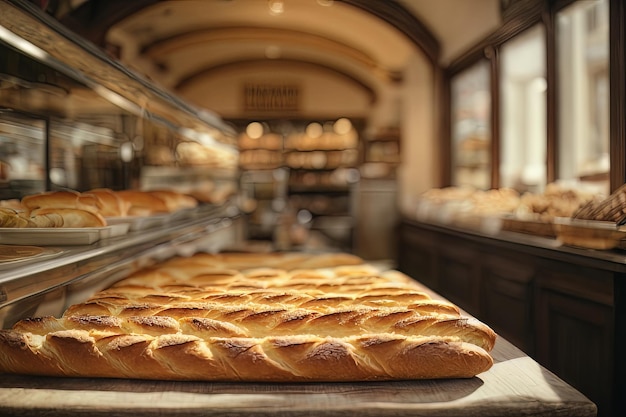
(273, 52)
(277, 7)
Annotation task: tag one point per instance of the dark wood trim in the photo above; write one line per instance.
(493, 55)
(93, 19)
(617, 107)
(445, 130)
(396, 15)
(552, 125)
(518, 20)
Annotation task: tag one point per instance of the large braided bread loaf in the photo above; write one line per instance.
(254, 318)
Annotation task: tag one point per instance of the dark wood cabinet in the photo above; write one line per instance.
(418, 256)
(575, 341)
(459, 275)
(506, 299)
(559, 305)
(575, 327)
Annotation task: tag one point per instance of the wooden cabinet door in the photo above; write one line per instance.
(417, 254)
(459, 274)
(575, 341)
(507, 298)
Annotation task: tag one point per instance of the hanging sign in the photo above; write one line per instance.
(271, 97)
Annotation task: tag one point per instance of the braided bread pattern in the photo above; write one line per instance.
(200, 318)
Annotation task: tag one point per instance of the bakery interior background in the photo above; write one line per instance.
(343, 57)
(369, 84)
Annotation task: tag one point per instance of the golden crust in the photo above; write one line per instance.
(239, 318)
(72, 217)
(142, 203)
(62, 199)
(111, 203)
(175, 200)
(278, 359)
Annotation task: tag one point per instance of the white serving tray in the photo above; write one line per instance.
(58, 236)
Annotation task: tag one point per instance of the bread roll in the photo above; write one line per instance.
(112, 204)
(175, 200)
(62, 199)
(71, 217)
(142, 203)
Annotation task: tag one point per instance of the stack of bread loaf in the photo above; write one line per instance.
(242, 317)
(89, 209)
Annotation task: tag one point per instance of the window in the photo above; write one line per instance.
(523, 134)
(583, 92)
(471, 127)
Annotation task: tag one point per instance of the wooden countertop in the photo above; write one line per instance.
(610, 260)
(516, 385)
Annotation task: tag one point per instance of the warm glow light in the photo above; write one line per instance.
(273, 52)
(277, 7)
(254, 130)
(314, 130)
(342, 126)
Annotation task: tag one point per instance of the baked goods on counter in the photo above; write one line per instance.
(55, 209)
(93, 208)
(504, 208)
(254, 317)
(609, 209)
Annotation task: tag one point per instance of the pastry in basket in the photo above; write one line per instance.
(200, 318)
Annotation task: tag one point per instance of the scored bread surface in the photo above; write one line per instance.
(240, 317)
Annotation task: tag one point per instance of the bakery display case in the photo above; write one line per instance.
(72, 118)
(23, 154)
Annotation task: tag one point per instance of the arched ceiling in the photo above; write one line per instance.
(179, 42)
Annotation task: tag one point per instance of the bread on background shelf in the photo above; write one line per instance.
(73, 209)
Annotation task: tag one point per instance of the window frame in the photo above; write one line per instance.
(517, 17)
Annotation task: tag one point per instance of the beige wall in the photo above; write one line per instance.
(420, 148)
(323, 93)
